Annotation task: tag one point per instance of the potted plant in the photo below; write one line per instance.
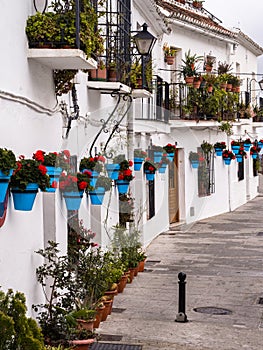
(247, 144)
(169, 54)
(219, 147)
(194, 159)
(254, 150)
(170, 149)
(28, 177)
(139, 156)
(72, 187)
(103, 184)
(149, 168)
(241, 154)
(197, 3)
(235, 146)
(94, 165)
(54, 163)
(163, 164)
(189, 68)
(7, 165)
(157, 153)
(209, 62)
(125, 176)
(42, 30)
(228, 156)
(207, 147)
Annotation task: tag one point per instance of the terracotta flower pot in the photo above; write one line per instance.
(87, 325)
(107, 304)
(122, 283)
(141, 266)
(84, 344)
(98, 318)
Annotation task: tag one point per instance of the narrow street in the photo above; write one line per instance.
(222, 258)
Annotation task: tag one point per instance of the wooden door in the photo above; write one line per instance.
(173, 190)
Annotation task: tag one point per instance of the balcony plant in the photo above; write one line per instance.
(224, 67)
(169, 54)
(103, 184)
(209, 62)
(189, 68)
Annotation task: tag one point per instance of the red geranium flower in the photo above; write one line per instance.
(42, 169)
(82, 185)
(39, 156)
(54, 184)
(130, 163)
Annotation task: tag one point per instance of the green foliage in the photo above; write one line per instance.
(104, 181)
(7, 160)
(63, 80)
(193, 156)
(226, 127)
(16, 330)
(207, 147)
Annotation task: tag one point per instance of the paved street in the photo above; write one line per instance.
(222, 257)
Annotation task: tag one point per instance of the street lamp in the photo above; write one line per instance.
(260, 83)
(144, 42)
(40, 5)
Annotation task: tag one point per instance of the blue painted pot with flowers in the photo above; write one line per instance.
(29, 176)
(125, 176)
(139, 157)
(94, 165)
(219, 147)
(170, 149)
(149, 168)
(228, 156)
(97, 194)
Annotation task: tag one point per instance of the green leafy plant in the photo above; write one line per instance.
(168, 50)
(169, 148)
(63, 80)
(17, 331)
(138, 153)
(104, 181)
(7, 160)
(207, 147)
(193, 156)
(226, 127)
(221, 145)
(29, 171)
(92, 163)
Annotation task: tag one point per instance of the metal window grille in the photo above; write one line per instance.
(206, 174)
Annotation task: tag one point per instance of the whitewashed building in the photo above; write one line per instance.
(115, 117)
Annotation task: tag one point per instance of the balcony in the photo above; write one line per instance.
(62, 58)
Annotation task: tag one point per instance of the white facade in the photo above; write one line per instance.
(31, 119)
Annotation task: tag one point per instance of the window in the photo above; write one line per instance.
(206, 174)
(240, 172)
(255, 166)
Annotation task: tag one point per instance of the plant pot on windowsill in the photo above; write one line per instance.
(98, 74)
(169, 60)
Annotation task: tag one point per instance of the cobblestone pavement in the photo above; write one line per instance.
(222, 257)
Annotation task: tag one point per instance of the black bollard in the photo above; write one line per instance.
(181, 316)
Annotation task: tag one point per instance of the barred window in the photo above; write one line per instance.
(240, 172)
(206, 174)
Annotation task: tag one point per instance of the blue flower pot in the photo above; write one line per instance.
(254, 155)
(235, 149)
(219, 152)
(4, 182)
(239, 158)
(54, 174)
(137, 163)
(149, 176)
(170, 156)
(113, 170)
(194, 164)
(227, 161)
(73, 199)
(24, 200)
(260, 144)
(162, 169)
(94, 178)
(123, 186)
(247, 147)
(157, 157)
(96, 196)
